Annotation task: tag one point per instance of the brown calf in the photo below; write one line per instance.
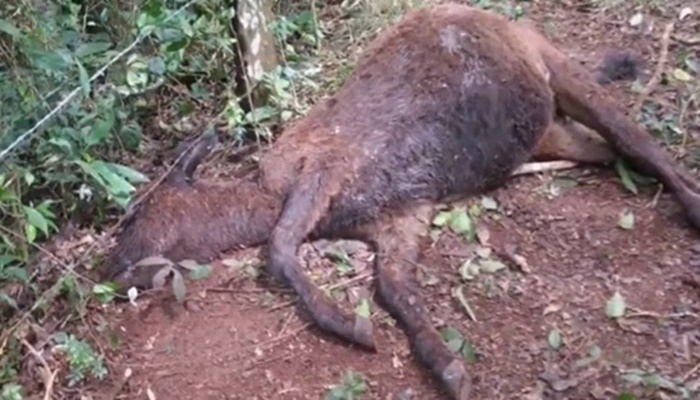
(443, 105)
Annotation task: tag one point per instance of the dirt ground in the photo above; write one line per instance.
(242, 338)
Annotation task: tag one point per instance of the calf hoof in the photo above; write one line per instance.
(458, 382)
(362, 333)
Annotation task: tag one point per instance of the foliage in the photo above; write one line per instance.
(70, 57)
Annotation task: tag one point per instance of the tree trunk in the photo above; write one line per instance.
(258, 53)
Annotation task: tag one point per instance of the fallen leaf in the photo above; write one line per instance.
(452, 338)
(461, 224)
(551, 308)
(491, 266)
(680, 75)
(363, 309)
(615, 308)
(554, 339)
(685, 12)
(442, 218)
(483, 252)
(626, 221)
(179, 288)
(636, 19)
(489, 203)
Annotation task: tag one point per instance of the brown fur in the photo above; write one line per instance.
(443, 105)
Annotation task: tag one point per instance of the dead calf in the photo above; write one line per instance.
(443, 105)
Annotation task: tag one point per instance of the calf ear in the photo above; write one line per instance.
(193, 152)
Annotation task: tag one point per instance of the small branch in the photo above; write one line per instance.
(656, 77)
(536, 167)
(120, 385)
(334, 286)
(690, 373)
(49, 376)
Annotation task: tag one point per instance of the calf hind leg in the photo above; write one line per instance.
(571, 141)
(396, 239)
(305, 206)
(579, 97)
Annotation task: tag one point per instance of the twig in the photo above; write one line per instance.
(636, 313)
(120, 385)
(49, 376)
(688, 41)
(279, 338)
(338, 285)
(690, 373)
(290, 315)
(536, 167)
(48, 253)
(656, 77)
(655, 200)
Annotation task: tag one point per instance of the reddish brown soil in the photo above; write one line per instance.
(240, 338)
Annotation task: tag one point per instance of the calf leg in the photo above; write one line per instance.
(573, 142)
(579, 97)
(304, 208)
(396, 239)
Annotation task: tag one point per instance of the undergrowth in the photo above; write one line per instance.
(86, 88)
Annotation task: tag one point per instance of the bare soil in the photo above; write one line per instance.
(241, 337)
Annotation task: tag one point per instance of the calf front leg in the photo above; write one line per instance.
(304, 208)
(396, 240)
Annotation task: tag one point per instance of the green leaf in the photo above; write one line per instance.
(554, 339)
(7, 259)
(88, 49)
(4, 298)
(105, 292)
(626, 221)
(625, 396)
(200, 272)
(9, 28)
(30, 232)
(129, 173)
(35, 218)
(615, 307)
(461, 224)
(156, 65)
(106, 174)
(48, 60)
(625, 176)
(363, 309)
(17, 274)
(177, 45)
(452, 338)
(179, 288)
(469, 352)
(474, 211)
(442, 218)
(100, 130)
(83, 78)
